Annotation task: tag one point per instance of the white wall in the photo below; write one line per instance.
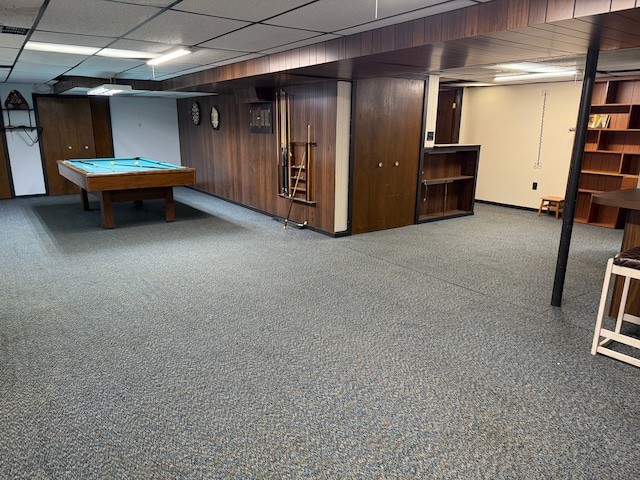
(24, 154)
(506, 122)
(145, 127)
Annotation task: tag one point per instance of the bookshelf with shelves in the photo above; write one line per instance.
(611, 158)
(447, 182)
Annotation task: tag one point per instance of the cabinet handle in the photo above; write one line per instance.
(69, 147)
(380, 164)
(86, 147)
(397, 164)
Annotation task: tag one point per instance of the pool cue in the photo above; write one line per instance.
(278, 142)
(308, 165)
(289, 150)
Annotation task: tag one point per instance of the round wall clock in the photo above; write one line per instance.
(195, 113)
(215, 118)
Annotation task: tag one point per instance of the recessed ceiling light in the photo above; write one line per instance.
(60, 48)
(532, 76)
(82, 50)
(109, 89)
(116, 53)
(530, 67)
(168, 56)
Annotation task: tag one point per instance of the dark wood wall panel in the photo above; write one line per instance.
(241, 166)
(559, 10)
(492, 16)
(622, 4)
(518, 14)
(5, 182)
(454, 26)
(101, 117)
(591, 7)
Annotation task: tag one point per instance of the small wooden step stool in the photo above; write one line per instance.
(552, 204)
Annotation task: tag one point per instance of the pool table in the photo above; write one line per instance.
(125, 179)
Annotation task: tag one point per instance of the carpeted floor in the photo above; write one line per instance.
(222, 346)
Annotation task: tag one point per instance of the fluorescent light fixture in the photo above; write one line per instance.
(81, 50)
(116, 53)
(108, 89)
(529, 67)
(532, 76)
(60, 48)
(168, 56)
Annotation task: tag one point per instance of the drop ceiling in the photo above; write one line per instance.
(219, 33)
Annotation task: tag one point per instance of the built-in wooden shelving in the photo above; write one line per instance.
(447, 182)
(611, 158)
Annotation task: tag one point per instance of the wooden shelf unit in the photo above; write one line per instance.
(447, 183)
(611, 158)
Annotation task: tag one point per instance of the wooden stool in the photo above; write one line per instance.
(625, 264)
(552, 204)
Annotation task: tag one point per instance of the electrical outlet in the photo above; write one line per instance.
(535, 185)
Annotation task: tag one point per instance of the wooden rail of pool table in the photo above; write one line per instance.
(111, 187)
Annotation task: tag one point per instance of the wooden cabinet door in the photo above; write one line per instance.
(5, 181)
(448, 119)
(52, 139)
(79, 109)
(68, 132)
(387, 145)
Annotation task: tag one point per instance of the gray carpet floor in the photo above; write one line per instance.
(222, 346)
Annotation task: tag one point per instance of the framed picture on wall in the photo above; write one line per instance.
(260, 118)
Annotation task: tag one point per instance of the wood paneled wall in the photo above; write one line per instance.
(5, 182)
(241, 166)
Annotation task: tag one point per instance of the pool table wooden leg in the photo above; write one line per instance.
(85, 199)
(168, 195)
(106, 209)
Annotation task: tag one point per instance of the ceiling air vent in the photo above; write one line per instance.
(14, 30)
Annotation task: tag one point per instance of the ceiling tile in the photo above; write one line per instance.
(248, 10)
(8, 55)
(149, 3)
(207, 56)
(51, 58)
(94, 17)
(111, 64)
(302, 43)
(141, 46)
(12, 41)
(71, 39)
(259, 37)
(389, 8)
(43, 76)
(19, 13)
(53, 70)
(103, 73)
(405, 17)
(181, 28)
(332, 16)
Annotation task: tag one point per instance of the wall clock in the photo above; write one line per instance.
(215, 118)
(195, 113)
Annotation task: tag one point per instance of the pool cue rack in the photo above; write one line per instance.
(294, 176)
